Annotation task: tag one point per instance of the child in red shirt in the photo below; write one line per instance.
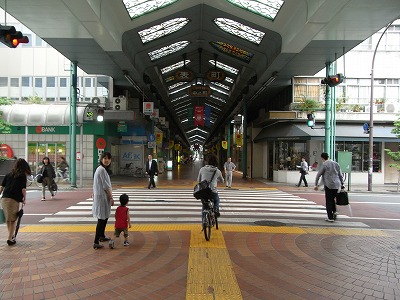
(122, 219)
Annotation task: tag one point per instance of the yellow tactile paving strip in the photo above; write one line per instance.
(210, 274)
(196, 228)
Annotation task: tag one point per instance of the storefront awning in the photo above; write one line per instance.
(40, 114)
(344, 132)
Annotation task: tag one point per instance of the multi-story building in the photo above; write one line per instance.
(282, 138)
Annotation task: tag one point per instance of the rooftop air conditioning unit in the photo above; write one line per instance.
(99, 100)
(119, 103)
(392, 108)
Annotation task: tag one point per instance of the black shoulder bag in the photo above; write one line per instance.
(202, 190)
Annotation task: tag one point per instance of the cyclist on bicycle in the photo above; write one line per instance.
(63, 166)
(206, 173)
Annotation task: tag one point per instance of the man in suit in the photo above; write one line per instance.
(151, 170)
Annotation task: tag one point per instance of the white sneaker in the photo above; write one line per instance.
(330, 220)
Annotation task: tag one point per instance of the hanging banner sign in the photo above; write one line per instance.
(184, 75)
(148, 108)
(161, 120)
(171, 144)
(159, 137)
(177, 146)
(199, 91)
(199, 115)
(239, 139)
(215, 75)
(155, 114)
(224, 144)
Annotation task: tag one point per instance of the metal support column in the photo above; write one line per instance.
(228, 139)
(72, 128)
(328, 115)
(244, 146)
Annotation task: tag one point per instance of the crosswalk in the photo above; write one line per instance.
(179, 206)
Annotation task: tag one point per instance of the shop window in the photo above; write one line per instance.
(360, 155)
(288, 155)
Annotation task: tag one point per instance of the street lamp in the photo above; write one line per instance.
(371, 116)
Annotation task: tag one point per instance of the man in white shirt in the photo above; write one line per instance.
(229, 167)
(151, 170)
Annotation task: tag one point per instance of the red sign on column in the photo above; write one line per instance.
(199, 115)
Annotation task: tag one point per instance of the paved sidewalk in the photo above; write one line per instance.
(170, 261)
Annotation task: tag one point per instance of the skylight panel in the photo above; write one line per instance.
(224, 67)
(163, 29)
(221, 85)
(175, 85)
(266, 8)
(240, 30)
(175, 66)
(217, 98)
(164, 51)
(137, 8)
(179, 98)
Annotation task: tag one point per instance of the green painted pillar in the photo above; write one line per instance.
(244, 146)
(328, 114)
(228, 138)
(72, 128)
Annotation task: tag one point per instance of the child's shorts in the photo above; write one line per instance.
(118, 231)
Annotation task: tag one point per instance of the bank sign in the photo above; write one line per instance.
(48, 129)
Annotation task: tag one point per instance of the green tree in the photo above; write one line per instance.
(395, 155)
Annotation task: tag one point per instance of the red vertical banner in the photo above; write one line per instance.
(199, 115)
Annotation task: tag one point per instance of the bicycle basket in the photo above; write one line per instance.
(202, 190)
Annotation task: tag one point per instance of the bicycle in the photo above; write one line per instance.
(139, 172)
(209, 219)
(33, 178)
(61, 175)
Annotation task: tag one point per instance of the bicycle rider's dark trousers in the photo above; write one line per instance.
(215, 199)
(100, 230)
(330, 195)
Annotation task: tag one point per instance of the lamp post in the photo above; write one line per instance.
(371, 116)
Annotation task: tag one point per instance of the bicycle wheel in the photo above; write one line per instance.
(58, 176)
(207, 226)
(29, 180)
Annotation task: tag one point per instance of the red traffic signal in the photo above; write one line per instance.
(12, 38)
(333, 80)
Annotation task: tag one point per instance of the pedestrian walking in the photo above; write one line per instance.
(333, 181)
(48, 175)
(102, 199)
(229, 167)
(122, 220)
(13, 189)
(151, 170)
(303, 171)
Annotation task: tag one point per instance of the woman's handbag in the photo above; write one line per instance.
(39, 178)
(342, 198)
(202, 190)
(54, 186)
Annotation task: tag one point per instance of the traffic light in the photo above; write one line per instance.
(310, 120)
(333, 80)
(12, 38)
